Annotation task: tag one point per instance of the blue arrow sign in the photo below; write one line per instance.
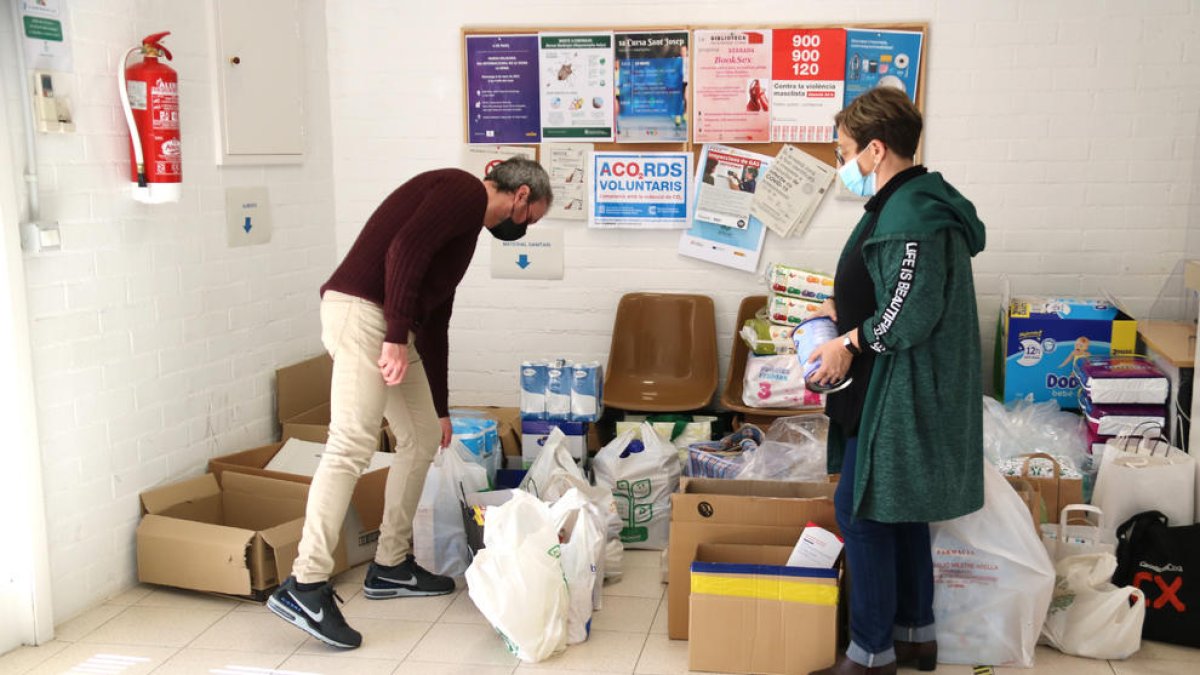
(523, 261)
(247, 226)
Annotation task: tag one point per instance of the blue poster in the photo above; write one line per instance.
(502, 89)
(640, 190)
(882, 58)
(650, 78)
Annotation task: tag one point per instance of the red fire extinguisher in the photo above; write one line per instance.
(150, 96)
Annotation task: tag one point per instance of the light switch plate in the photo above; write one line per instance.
(247, 215)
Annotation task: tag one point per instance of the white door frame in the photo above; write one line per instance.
(25, 600)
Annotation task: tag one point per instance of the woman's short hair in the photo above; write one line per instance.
(883, 113)
(517, 171)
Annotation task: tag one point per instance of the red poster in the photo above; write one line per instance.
(808, 83)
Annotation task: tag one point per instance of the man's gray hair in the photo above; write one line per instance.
(517, 171)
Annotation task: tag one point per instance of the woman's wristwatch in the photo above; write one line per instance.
(849, 345)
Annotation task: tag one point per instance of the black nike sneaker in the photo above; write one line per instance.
(315, 612)
(404, 580)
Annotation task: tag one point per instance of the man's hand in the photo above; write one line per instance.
(835, 362)
(393, 363)
(447, 431)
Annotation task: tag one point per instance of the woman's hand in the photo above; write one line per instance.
(835, 362)
(828, 308)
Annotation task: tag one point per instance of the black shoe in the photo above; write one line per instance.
(315, 612)
(404, 580)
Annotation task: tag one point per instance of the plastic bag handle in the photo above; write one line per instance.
(1040, 455)
(1087, 508)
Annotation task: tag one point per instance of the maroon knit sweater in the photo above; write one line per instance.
(410, 257)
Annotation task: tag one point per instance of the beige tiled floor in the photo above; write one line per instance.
(163, 631)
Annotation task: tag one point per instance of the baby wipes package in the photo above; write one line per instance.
(799, 283)
(785, 310)
(766, 339)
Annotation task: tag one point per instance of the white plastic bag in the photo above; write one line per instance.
(554, 471)
(1091, 617)
(642, 476)
(793, 450)
(517, 582)
(582, 559)
(439, 539)
(1023, 427)
(1148, 476)
(993, 581)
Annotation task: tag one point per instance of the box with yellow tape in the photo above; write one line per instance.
(752, 614)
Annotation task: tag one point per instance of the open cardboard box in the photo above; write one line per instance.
(238, 538)
(716, 511)
(791, 612)
(302, 397)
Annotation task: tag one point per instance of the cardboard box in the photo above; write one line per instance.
(302, 398)
(751, 614)
(715, 511)
(360, 535)
(238, 538)
(535, 432)
(1042, 338)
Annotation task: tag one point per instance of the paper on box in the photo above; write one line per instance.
(818, 548)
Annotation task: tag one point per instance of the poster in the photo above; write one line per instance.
(807, 83)
(791, 190)
(726, 185)
(43, 24)
(537, 255)
(567, 165)
(736, 247)
(576, 74)
(502, 89)
(732, 74)
(650, 83)
(478, 160)
(882, 58)
(640, 190)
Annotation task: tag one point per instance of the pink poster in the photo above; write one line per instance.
(732, 99)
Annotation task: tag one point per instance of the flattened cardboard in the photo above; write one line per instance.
(303, 386)
(714, 511)
(789, 638)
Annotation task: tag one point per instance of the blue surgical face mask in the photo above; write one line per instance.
(856, 183)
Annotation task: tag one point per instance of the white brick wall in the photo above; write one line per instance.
(155, 344)
(1069, 124)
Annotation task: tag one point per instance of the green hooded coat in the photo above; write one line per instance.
(920, 443)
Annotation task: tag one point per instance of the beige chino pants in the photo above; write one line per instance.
(352, 331)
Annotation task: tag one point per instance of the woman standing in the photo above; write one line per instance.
(907, 433)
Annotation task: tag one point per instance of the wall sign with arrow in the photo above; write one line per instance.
(538, 256)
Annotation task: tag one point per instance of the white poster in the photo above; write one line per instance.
(728, 179)
(790, 191)
(731, 246)
(576, 84)
(537, 255)
(567, 165)
(478, 160)
(648, 190)
(43, 26)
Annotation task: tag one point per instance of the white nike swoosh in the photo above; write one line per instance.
(411, 581)
(318, 617)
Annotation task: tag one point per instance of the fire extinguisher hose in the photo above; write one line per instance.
(133, 130)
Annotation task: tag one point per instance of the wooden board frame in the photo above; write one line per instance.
(822, 151)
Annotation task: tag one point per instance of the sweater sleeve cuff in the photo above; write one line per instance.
(397, 330)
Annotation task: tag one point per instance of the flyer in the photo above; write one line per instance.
(44, 26)
(478, 160)
(791, 190)
(807, 83)
(502, 89)
(650, 84)
(732, 74)
(640, 190)
(726, 185)
(567, 165)
(882, 58)
(739, 248)
(576, 75)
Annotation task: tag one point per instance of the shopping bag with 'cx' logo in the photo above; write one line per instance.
(1164, 562)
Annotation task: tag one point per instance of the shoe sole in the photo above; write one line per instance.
(288, 615)
(389, 593)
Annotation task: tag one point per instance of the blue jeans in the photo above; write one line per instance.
(891, 577)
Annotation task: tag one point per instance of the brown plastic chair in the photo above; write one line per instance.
(731, 397)
(664, 353)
